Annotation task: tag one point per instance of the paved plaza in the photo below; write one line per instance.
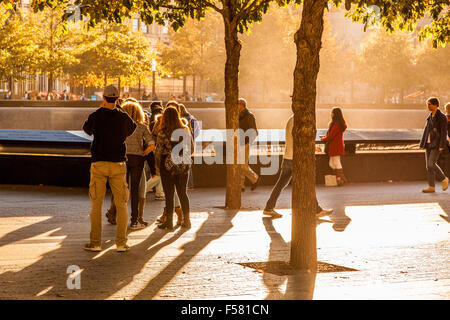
(395, 238)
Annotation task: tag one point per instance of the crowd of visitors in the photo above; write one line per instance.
(138, 151)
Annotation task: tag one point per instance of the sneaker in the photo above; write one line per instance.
(142, 223)
(445, 184)
(134, 225)
(272, 213)
(324, 212)
(428, 190)
(123, 248)
(111, 217)
(90, 247)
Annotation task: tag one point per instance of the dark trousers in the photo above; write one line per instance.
(282, 182)
(135, 166)
(169, 183)
(433, 170)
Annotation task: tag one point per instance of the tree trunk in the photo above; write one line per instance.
(201, 86)
(11, 84)
(184, 86)
(139, 89)
(50, 82)
(118, 84)
(308, 40)
(193, 86)
(233, 50)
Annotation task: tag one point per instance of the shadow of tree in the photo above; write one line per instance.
(300, 284)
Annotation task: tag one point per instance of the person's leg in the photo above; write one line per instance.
(429, 157)
(341, 179)
(331, 163)
(97, 190)
(282, 182)
(111, 212)
(248, 172)
(191, 178)
(119, 187)
(181, 185)
(142, 198)
(159, 190)
(438, 173)
(136, 165)
(169, 190)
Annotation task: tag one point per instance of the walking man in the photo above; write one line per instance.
(286, 176)
(247, 123)
(434, 140)
(110, 127)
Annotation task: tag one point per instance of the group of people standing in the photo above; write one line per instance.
(124, 138)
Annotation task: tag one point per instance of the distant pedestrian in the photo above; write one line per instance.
(156, 109)
(192, 121)
(8, 95)
(195, 131)
(64, 95)
(335, 143)
(444, 158)
(110, 127)
(434, 140)
(247, 123)
(286, 176)
(447, 111)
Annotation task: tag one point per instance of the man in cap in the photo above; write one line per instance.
(110, 127)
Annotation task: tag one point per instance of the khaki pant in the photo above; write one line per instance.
(115, 173)
(246, 171)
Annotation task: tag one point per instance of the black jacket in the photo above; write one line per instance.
(436, 128)
(247, 121)
(110, 129)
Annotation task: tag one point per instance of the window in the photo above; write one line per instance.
(135, 24)
(165, 29)
(144, 28)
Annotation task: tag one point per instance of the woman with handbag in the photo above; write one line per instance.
(335, 143)
(173, 130)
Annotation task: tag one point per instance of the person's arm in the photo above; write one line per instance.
(88, 125)
(130, 125)
(332, 134)
(149, 141)
(443, 132)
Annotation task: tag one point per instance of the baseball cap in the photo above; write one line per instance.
(111, 92)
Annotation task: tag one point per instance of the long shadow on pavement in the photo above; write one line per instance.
(299, 286)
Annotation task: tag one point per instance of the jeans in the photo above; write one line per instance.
(135, 167)
(115, 173)
(433, 170)
(170, 183)
(282, 182)
(155, 182)
(246, 171)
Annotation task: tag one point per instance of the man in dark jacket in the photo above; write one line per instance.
(110, 127)
(434, 140)
(247, 123)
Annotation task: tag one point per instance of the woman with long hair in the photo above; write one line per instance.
(135, 161)
(170, 122)
(335, 141)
